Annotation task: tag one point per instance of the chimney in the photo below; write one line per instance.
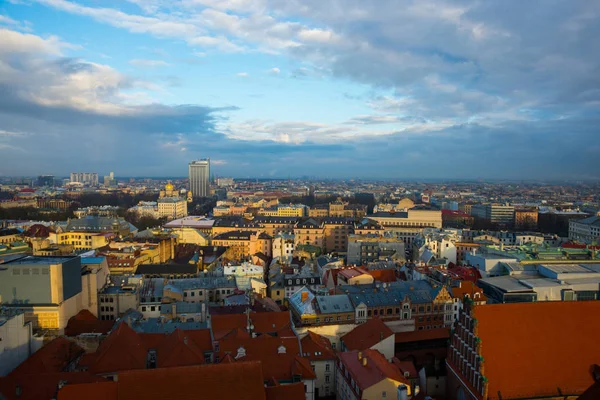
(402, 392)
(360, 355)
(185, 340)
(364, 361)
(304, 296)
(174, 310)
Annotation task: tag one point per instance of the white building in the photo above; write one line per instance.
(85, 178)
(585, 230)
(283, 245)
(15, 340)
(172, 208)
(244, 273)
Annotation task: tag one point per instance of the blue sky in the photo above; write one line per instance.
(278, 88)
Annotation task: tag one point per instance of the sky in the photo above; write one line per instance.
(463, 89)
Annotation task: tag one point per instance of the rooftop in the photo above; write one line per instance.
(43, 260)
(366, 335)
(551, 335)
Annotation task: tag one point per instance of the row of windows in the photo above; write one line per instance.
(111, 309)
(106, 300)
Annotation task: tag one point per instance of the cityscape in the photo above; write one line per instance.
(299, 200)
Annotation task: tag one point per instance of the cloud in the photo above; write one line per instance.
(218, 162)
(274, 71)
(148, 63)
(242, 74)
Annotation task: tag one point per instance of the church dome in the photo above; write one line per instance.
(169, 187)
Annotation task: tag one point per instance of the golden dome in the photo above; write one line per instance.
(169, 187)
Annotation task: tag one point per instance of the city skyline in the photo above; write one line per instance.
(266, 88)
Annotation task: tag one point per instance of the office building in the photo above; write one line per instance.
(199, 175)
(494, 213)
(109, 180)
(85, 178)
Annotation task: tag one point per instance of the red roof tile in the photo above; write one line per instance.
(240, 380)
(366, 335)
(316, 347)
(121, 350)
(177, 350)
(294, 391)
(202, 339)
(41, 386)
(532, 349)
(281, 366)
(376, 369)
(405, 367)
(383, 275)
(90, 391)
(427, 334)
(53, 357)
(264, 322)
(86, 322)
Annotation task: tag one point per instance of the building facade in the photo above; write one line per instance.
(585, 230)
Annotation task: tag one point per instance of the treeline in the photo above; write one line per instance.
(32, 213)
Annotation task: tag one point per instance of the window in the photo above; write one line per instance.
(143, 308)
(326, 378)
(327, 367)
(383, 394)
(192, 294)
(152, 308)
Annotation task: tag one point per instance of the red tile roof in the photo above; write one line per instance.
(281, 366)
(294, 391)
(427, 334)
(366, 335)
(86, 322)
(176, 349)
(263, 322)
(405, 367)
(468, 288)
(122, 350)
(532, 349)
(90, 391)
(41, 386)
(383, 275)
(52, 358)
(376, 369)
(316, 347)
(240, 380)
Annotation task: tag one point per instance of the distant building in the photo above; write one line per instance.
(85, 178)
(224, 182)
(585, 230)
(45, 180)
(526, 218)
(199, 178)
(407, 224)
(498, 214)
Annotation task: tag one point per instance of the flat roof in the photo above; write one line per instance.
(48, 260)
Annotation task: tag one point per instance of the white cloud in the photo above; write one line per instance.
(218, 162)
(17, 42)
(243, 74)
(148, 63)
(275, 71)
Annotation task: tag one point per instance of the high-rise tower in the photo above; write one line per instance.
(199, 174)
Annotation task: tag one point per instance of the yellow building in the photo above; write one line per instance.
(82, 240)
(368, 375)
(318, 211)
(336, 231)
(291, 210)
(309, 232)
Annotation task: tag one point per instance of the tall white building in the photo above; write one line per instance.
(16, 337)
(199, 175)
(86, 178)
